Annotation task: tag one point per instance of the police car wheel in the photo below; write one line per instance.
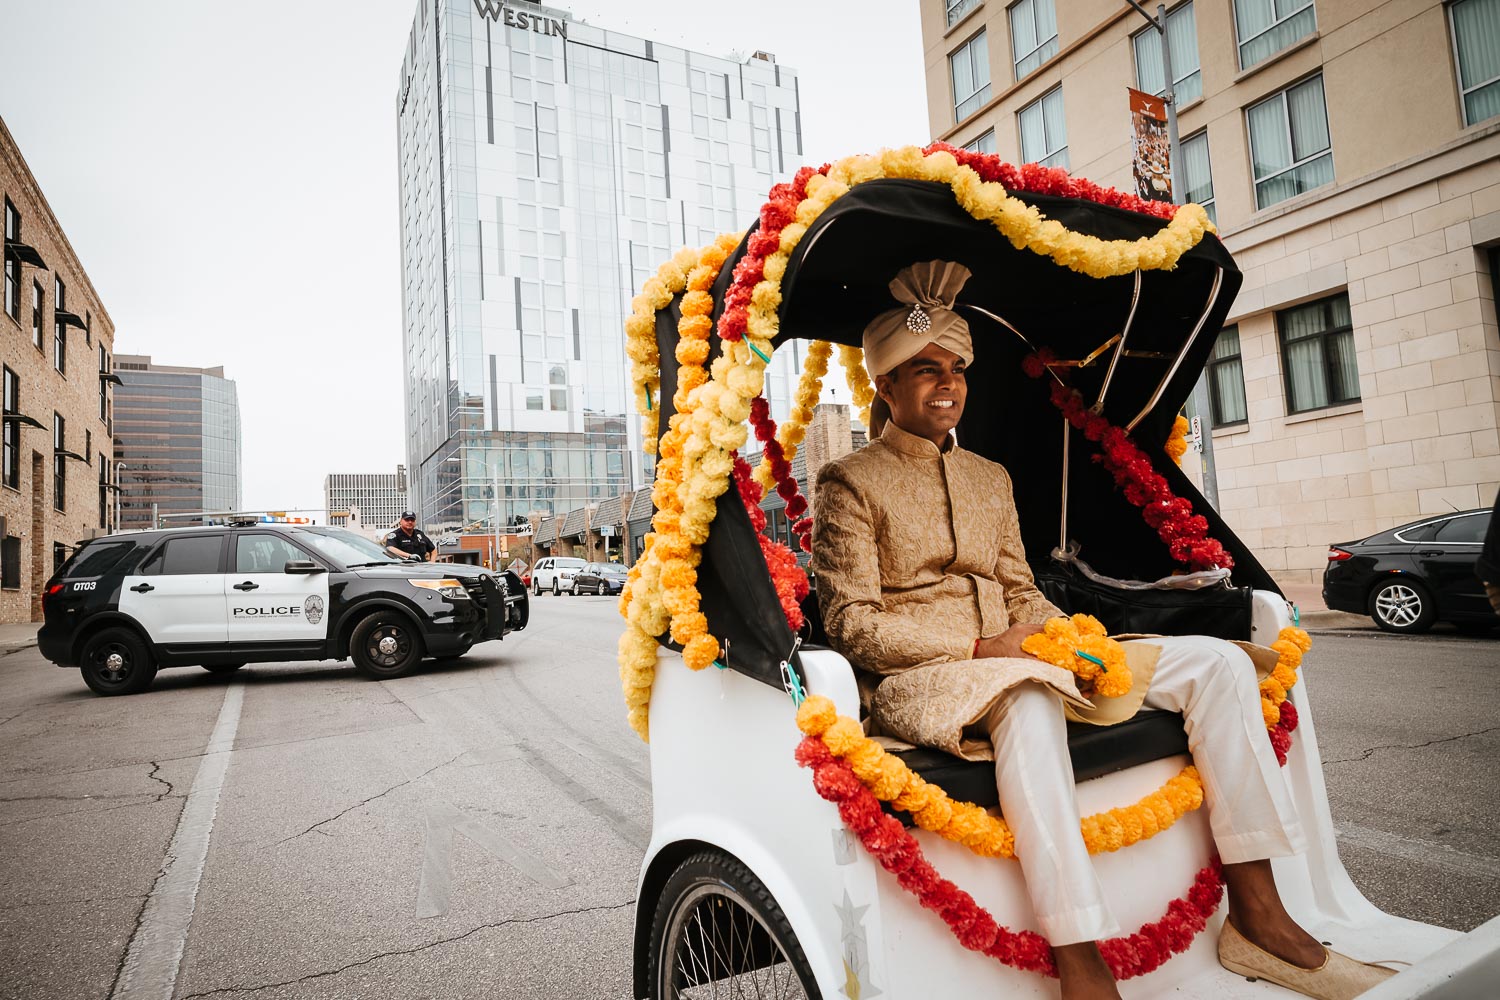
(116, 661)
(385, 645)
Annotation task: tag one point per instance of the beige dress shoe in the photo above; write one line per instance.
(1338, 978)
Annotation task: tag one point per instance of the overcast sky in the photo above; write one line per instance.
(227, 175)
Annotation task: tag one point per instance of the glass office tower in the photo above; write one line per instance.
(177, 437)
(547, 167)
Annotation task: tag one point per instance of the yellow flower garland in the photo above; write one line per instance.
(794, 428)
(661, 591)
(858, 379)
(1102, 662)
(890, 780)
(1290, 644)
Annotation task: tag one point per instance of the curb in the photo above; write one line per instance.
(1335, 619)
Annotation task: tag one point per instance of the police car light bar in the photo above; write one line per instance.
(242, 518)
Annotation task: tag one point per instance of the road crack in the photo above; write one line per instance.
(409, 951)
(155, 767)
(365, 802)
(1364, 755)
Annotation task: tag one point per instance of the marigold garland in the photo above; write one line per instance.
(898, 852)
(1185, 533)
(786, 576)
(860, 386)
(1177, 445)
(1081, 644)
(804, 402)
(890, 780)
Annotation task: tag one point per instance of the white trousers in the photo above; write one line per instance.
(1214, 685)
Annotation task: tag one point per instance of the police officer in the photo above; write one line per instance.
(406, 542)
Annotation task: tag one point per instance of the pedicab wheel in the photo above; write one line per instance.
(717, 931)
(1402, 605)
(385, 645)
(116, 661)
(222, 668)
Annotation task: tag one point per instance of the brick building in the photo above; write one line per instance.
(1350, 152)
(57, 348)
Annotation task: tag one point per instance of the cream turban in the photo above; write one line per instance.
(928, 289)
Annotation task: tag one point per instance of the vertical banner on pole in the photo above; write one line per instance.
(1151, 157)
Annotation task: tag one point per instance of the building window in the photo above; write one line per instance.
(10, 563)
(59, 556)
(1044, 136)
(970, 69)
(1033, 34)
(1265, 27)
(1289, 143)
(983, 144)
(59, 463)
(958, 8)
(38, 301)
(1197, 178)
(1226, 379)
(1317, 354)
(1476, 40)
(59, 331)
(12, 264)
(10, 459)
(1182, 37)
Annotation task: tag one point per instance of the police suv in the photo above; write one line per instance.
(249, 592)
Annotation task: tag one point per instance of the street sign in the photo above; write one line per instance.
(519, 530)
(607, 530)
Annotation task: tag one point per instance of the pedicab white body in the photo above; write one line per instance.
(724, 777)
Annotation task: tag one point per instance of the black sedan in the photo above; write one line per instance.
(599, 578)
(1409, 577)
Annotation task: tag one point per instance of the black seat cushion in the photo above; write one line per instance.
(1096, 750)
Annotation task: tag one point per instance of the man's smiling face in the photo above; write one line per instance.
(926, 393)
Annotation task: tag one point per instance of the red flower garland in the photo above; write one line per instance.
(1184, 533)
(781, 471)
(786, 576)
(1037, 179)
(898, 852)
(1281, 733)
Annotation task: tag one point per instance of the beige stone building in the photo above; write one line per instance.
(1350, 153)
(56, 349)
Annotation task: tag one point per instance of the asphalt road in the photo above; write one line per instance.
(475, 830)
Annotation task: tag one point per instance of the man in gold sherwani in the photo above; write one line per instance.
(924, 586)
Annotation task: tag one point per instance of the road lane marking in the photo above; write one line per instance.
(154, 955)
(443, 820)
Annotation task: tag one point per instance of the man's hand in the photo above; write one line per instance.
(1007, 643)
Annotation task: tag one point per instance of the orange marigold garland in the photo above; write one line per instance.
(1177, 445)
(1081, 645)
(890, 780)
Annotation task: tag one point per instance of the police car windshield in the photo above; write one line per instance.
(343, 546)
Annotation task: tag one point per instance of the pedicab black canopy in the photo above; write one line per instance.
(1156, 330)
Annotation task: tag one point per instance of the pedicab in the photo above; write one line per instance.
(791, 855)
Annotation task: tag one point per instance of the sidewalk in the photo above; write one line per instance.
(1314, 613)
(19, 636)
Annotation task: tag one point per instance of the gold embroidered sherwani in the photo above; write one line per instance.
(917, 554)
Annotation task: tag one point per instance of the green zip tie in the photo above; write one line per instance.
(720, 665)
(763, 357)
(1091, 659)
(648, 398)
(1296, 616)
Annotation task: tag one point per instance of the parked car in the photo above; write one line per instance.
(1413, 575)
(600, 578)
(223, 596)
(555, 573)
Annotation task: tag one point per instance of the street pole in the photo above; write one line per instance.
(495, 524)
(119, 467)
(1199, 405)
(155, 521)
